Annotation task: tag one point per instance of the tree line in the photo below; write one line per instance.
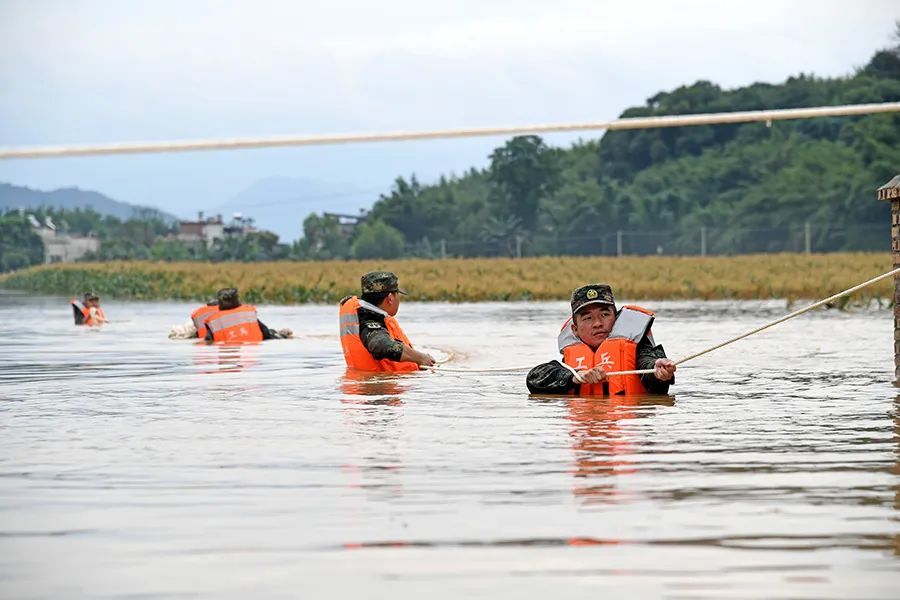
(146, 236)
(680, 179)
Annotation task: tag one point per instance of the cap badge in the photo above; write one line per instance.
(591, 294)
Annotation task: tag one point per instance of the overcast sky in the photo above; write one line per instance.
(103, 71)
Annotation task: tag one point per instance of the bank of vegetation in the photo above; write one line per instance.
(789, 276)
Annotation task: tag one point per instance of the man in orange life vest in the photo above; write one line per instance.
(370, 335)
(598, 340)
(237, 323)
(88, 312)
(199, 316)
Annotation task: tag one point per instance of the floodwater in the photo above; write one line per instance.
(134, 466)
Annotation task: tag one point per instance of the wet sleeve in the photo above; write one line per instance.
(267, 333)
(550, 378)
(647, 354)
(378, 341)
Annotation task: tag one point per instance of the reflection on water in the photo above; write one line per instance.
(604, 448)
(372, 388)
(224, 358)
(131, 464)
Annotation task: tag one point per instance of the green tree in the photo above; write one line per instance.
(377, 239)
(322, 240)
(523, 171)
(20, 246)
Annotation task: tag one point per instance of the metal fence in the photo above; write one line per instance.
(701, 241)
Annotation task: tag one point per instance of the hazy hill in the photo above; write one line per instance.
(13, 197)
(280, 204)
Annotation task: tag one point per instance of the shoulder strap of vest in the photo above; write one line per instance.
(371, 307)
(631, 324)
(566, 336)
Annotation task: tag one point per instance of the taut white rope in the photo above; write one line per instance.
(787, 317)
(352, 138)
(796, 313)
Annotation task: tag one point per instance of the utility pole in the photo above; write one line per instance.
(891, 192)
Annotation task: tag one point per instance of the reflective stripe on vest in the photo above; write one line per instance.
(349, 323)
(617, 353)
(355, 354)
(200, 316)
(239, 324)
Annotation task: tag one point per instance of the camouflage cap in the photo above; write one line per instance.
(90, 296)
(228, 297)
(377, 282)
(592, 293)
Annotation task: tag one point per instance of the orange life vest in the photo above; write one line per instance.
(355, 353)
(235, 325)
(618, 352)
(86, 317)
(98, 318)
(199, 317)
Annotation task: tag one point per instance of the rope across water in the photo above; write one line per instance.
(796, 313)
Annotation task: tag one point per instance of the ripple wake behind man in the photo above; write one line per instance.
(370, 335)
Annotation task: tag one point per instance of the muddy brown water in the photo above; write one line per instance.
(135, 466)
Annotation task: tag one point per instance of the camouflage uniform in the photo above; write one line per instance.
(372, 331)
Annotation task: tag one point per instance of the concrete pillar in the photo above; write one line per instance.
(891, 193)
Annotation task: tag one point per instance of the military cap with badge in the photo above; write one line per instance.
(592, 293)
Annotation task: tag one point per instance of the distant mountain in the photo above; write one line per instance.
(14, 196)
(280, 204)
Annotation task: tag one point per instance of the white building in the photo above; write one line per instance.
(62, 247)
(202, 230)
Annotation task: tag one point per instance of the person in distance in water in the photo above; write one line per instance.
(238, 323)
(597, 340)
(88, 312)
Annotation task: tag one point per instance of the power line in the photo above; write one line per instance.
(766, 116)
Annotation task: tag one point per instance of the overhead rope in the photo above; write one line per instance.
(681, 361)
(765, 116)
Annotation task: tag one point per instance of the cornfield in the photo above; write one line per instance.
(789, 276)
